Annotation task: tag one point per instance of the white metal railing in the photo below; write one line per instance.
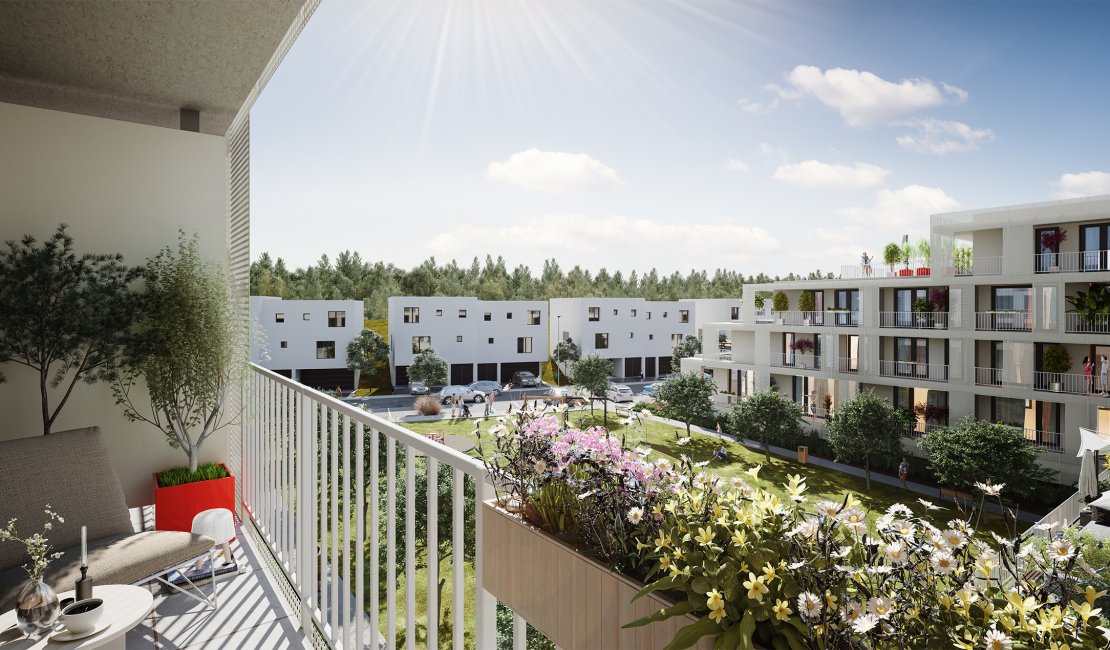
(995, 377)
(810, 410)
(795, 360)
(798, 318)
(1071, 261)
(763, 315)
(914, 370)
(916, 320)
(1047, 440)
(1004, 321)
(985, 265)
(841, 318)
(918, 429)
(866, 272)
(849, 364)
(1065, 514)
(1071, 383)
(312, 483)
(1074, 323)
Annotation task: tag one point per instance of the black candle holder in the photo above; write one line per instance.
(84, 585)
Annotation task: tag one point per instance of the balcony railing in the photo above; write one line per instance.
(1071, 262)
(995, 377)
(986, 265)
(1070, 383)
(914, 320)
(795, 360)
(849, 364)
(1004, 321)
(883, 271)
(1047, 440)
(914, 370)
(918, 429)
(828, 318)
(1075, 324)
(313, 482)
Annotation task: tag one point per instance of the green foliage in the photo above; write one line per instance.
(961, 259)
(690, 394)
(591, 374)
(182, 475)
(780, 302)
(690, 346)
(188, 349)
(924, 251)
(922, 306)
(565, 352)
(807, 302)
(866, 429)
(977, 450)
(428, 367)
(1093, 306)
(892, 254)
(767, 416)
(905, 253)
(1055, 359)
(367, 352)
(65, 316)
(760, 299)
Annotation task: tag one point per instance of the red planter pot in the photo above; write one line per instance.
(175, 507)
(902, 273)
(924, 271)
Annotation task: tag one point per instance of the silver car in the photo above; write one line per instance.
(418, 388)
(467, 393)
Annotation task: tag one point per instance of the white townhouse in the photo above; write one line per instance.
(638, 335)
(305, 340)
(973, 329)
(479, 339)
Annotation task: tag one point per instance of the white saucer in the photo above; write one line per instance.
(66, 635)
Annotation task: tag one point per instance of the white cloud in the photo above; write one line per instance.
(1072, 186)
(770, 150)
(735, 165)
(752, 106)
(942, 136)
(554, 171)
(908, 207)
(863, 98)
(816, 175)
(613, 241)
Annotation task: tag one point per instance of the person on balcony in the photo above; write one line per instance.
(1103, 369)
(1088, 374)
(865, 262)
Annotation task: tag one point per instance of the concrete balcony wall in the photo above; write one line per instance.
(124, 188)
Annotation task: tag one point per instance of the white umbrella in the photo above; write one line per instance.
(1088, 475)
(1091, 441)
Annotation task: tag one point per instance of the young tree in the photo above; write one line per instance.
(65, 316)
(565, 352)
(977, 450)
(767, 416)
(866, 427)
(367, 352)
(188, 348)
(690, 346)
(689, 393)
(428, 367)
(592, 373)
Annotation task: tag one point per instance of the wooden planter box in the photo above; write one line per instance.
(575, 601)
(175, 506)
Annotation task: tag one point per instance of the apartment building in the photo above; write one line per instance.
(305, 340)
(968, 331)
(638, 335)
(480, 339)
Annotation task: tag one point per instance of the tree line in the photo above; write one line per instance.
(350, 277)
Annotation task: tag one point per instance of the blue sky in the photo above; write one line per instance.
(769, 137)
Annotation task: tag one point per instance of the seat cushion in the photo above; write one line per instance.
(69, 471)
(123, 559)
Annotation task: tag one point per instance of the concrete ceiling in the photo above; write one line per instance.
(139, 60)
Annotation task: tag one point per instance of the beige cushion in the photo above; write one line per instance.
(115, 560)
(70, 471)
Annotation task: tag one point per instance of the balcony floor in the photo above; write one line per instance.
(252, 612)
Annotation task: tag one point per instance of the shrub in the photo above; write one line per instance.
(428, 405)
(780, 302)
(1056, 359)
(806, 302)
(892, 254)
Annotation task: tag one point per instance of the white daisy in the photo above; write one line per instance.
(943, 562)
(995, 640)
(635, 515)
(1062, 550)
(809, 605)
(880, 607)
(865, 623)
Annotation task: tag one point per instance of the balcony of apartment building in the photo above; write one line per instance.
(1087, 306)
(1060, 368)
(796, 350)
(914, 308)
(813, 308)
(1004, 364)
(1004, 308)
(1072, 248)
(848, 357)
(1039, 421)
(913, 358)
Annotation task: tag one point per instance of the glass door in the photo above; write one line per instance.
(1047, 248)
(788, 339)
(1093, 243)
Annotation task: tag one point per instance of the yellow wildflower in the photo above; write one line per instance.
(1085, 611)
(768, 572)
(756, 587)
(1093, 595)
(705, 536)
(782, 610)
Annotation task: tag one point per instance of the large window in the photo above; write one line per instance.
(676, 339)
(1011, 299)
(337, 319)
(1094, 241)
(734, 314)
(1047, 246)
(524, 345)
(421, 343)
(1010, 411)
(325, 349)
(601, 341)
(595, 313)
(412, 314)
(911, 355)
(684, 315)
(534, 317)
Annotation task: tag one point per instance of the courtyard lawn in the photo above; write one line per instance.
(822, 483)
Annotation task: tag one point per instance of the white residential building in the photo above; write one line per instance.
(480, 339)
(305, 339)
(638, 335)
(993, 298)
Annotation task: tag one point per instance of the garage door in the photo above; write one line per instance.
(327, 379)
(664, 366)
(462, 374)
(487, 372)
(649, 367)
(507, 369)
(632, 366)
(288, 374)
(402, 373)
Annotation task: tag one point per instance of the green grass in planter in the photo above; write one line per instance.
(182, 475)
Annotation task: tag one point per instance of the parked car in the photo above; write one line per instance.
(651, 389)
(418, 388)
(561, 394)
(486, 387)
(467, 393)
(620, 393)
(525, 378)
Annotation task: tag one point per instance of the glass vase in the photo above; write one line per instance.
(36, 608)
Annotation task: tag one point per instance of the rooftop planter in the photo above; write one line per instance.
(176, 504)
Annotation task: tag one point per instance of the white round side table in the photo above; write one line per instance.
(125, 606)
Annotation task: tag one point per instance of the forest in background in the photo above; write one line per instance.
(350, 277)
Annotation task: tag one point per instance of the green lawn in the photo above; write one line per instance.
(822, 483)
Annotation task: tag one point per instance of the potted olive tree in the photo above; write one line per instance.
(189, 351)
(780, 303)
(892, 254)
(925, 254)
(1055, 360)
(807, 303)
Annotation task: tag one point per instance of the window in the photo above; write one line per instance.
(487, 316)
(279, 318)
(534, 317)
(614, 312)
(676, 339)
(633, 313)
(734, 314)
(337, 319)
(509, 315)
(325, 349)
(462, 313)
(491, 340)
(421, 343)
(651, 337)
(601, 341)
(664, 314)
(306, 316)
(412, 314)
(284, 344)
(439, 312)
(524, 344)
(684, 315)
(458, 339)
(632, 335)
(595, 313)
(649, 315)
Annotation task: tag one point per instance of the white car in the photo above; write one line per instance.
(620, 393)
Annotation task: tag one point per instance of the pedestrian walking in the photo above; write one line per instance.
(904, 470)
(454, 405)
(1088, 374)
(489, 402)
(641, 376)
(1103, 369)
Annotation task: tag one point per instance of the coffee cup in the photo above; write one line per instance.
(82, 616)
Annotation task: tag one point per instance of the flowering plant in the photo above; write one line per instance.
(803, 345)
(37, 545)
